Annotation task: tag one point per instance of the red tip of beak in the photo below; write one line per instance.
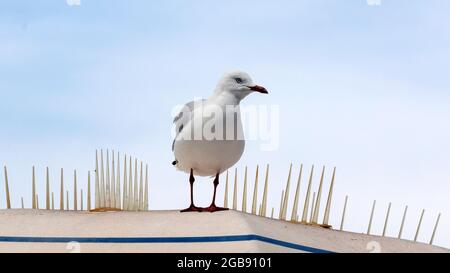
(259, 89)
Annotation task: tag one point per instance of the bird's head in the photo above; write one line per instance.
(239, 84)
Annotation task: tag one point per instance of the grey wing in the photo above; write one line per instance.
(184, 117)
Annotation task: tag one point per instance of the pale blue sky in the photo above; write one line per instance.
(364, 88)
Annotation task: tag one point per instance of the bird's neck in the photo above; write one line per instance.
(225, 98)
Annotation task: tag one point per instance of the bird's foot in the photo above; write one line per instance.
(192, 208)
(213, 208)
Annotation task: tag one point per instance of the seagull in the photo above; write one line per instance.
(209, 137)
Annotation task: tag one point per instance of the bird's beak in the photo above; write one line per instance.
(259, 89)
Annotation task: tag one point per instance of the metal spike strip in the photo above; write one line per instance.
(403, 222)
(255, 191)
(33, 188)
(371, 216)
(315, 217)
(326, 216)
(61, 196)
(125, 185)
(47, 189)
(102, 181)
(418, 226)
(81, 199)
(97, 186)
(225, 197)
(235, 190)
(108, 182)
(297, 196)
(53, 201)
(146, 188)
(312, 207)
(386, 220)
(135, 187)
(67, 200)
(75, 191)
(113, 181)
(89, 192)
(130, 185)
(8, 199)
(244, 192)
(343, 213)
(286, 194)
(281, 205)
(266, 189)
(435, 228)
(141, 189)
(117, 188)
(308, 193)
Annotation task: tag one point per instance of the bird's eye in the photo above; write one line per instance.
(238, 80)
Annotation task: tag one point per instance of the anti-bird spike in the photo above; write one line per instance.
(141, 189)
(146, 188)
(315, 217)
(244, 192)
(97, 178)
(281, 204)
(266, 189)
(387, 219)
(286, 194)
(312, 207)
(8, 199)
(75, 191)
(255, 191)
(33, 187)
(81, 199)
(418, 226)
(47, 189)
(89, 192)
(326, 216)
(61, 193)
(125, 185)
(118, 201)
(113, 181)
(225, 197)
(235, 190)
(297, 195)
(371, 216)
(102, 180)
(403, 222)
(130, 184)
(135, 205)
(108, 181)
(67, 200)
(308, 193)
(435, 228)
(343, 213)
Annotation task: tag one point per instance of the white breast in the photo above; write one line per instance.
(207, 157)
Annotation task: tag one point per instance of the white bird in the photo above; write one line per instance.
(209, 137)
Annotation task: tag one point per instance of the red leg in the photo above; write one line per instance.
(192, 207)
(213, 207)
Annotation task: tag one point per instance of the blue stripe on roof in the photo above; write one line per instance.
(145, 240)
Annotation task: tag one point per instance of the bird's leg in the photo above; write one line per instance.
(213, 207)
(192, 207)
